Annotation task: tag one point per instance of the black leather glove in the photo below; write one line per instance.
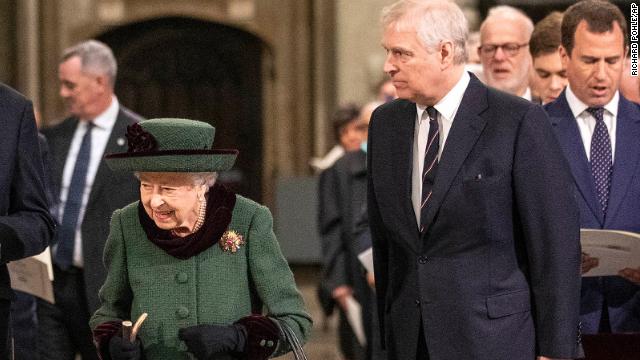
(121, 349)
(205, 340)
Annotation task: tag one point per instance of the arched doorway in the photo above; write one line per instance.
(183, 67)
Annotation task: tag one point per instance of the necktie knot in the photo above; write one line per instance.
(432, 112)
(597, 113)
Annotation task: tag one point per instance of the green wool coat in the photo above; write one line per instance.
(212, 287)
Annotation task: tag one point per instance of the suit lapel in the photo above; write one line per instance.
(465, 131)
(402, 156)
(117, 143)
(407, 130)
(627, 154)
(571, 142)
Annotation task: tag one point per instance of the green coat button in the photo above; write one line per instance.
(182, 277)
(182, 312)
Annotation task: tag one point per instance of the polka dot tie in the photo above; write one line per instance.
(601, 163)
(430, 163)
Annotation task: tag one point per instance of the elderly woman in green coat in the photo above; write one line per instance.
(202, 261)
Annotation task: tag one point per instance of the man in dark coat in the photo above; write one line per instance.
(474, 226)
(87, 191)
(25, 224)
(342, 191)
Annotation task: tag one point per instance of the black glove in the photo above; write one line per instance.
(121, 349)
(205, 340)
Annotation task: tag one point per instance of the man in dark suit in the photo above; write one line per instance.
(87, 191)
(342, 190)
(599, 131)
(25, 224)
(474, 227)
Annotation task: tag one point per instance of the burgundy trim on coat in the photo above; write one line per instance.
(220, 204)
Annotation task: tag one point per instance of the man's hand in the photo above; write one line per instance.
(371, 280)
(588, 263)
(632, 275)
(340, 295)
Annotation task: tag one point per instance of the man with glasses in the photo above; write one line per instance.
(506, 62)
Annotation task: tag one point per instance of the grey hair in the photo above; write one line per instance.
(204, 178)
(96, 58)
(434, 21)
(198, 178)
(510, 13)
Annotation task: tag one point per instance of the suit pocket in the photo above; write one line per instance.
(508, 304)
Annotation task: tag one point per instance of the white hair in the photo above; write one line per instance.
(433, 21)
(506, 12)
(204, 178)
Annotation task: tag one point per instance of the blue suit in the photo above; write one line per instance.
(496, 275)
(623, 297)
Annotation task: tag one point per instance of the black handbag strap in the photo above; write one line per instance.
(292, 339)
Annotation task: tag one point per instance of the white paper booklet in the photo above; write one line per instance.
(366, 259)
(614, 249)
(354, 318)
(33, 275)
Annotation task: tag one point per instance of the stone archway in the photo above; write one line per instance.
(196, 69)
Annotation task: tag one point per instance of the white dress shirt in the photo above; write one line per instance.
(103, 124)
(587, 123)
(447, 108)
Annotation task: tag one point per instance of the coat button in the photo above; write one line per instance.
(182, 312)
(417, 302)
(422, 260)
(182, 277)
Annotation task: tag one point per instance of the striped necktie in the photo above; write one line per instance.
(430, 164)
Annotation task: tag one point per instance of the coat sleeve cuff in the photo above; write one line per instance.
(262, 336)
(102, 334)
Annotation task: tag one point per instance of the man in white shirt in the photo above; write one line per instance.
(87, 193)
(475, 234)
(504, 38)
(599, 131)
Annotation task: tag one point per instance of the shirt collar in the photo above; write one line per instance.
(578, 107)
(448, 105)
(108, 117)
(527, 94)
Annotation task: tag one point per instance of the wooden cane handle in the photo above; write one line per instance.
(136, 327)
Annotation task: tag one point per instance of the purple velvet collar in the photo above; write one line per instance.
(220, 203)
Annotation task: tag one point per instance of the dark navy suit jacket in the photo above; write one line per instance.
(25, 224)
(496, 275)
(623, 213)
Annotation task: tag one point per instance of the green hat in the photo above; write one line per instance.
(172, 145)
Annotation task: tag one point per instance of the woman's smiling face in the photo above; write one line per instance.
(171, 199)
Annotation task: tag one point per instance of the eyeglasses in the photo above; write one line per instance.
(511, 49)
